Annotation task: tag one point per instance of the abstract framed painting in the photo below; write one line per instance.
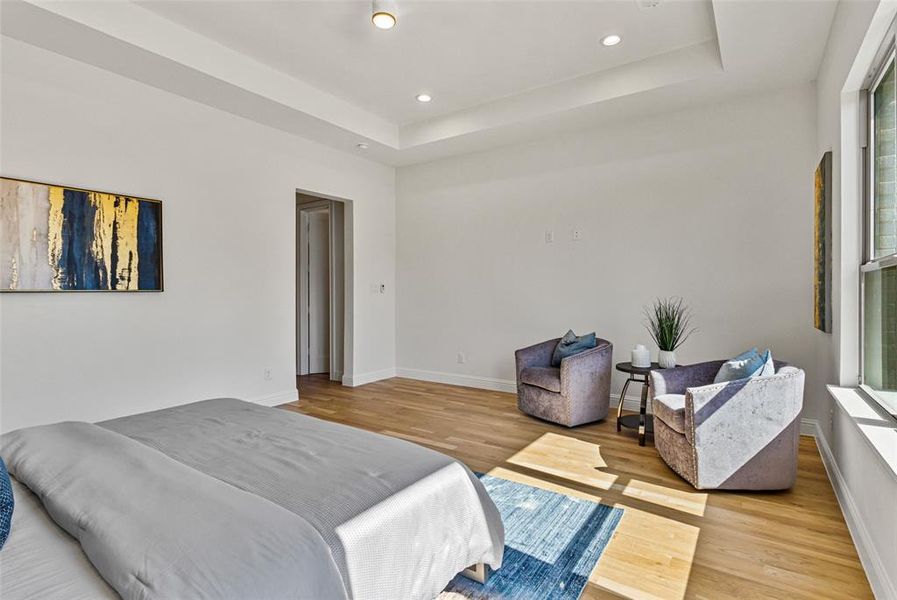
(822, 245)
(56, 238)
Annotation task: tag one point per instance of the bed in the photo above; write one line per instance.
(228, 499)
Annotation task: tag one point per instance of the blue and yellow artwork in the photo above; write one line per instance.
(822, 246)
(57, 238)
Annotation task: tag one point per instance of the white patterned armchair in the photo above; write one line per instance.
(740, 435)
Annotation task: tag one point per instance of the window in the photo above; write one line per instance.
(878, 276)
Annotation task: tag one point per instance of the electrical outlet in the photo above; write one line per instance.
(267, 374)
(462, 358)
(382, 288)
(577, 235)
(549, 237)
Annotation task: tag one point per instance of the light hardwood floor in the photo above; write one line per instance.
(673, 541)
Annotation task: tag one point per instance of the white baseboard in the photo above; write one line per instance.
(882, 586)
(364, 378)
(277, 399)
(810, 427)
(474, 381)
(630, 403)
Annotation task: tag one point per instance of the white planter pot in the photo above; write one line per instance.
(666, 359)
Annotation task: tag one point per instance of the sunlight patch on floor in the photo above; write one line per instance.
(663, 548)
(693, 503)
(566, 457)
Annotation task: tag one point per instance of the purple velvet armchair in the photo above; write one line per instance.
(737, 435)
(578, 392)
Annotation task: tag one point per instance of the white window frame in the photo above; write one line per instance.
(886, 54)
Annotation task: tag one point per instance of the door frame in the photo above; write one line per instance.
(341, 354)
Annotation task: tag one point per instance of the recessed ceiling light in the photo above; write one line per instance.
(361, 146)
(423, 98)
(383, 20)
(611, 40)
(383, 14)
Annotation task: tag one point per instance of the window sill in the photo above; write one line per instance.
(879, 430)
(887, 400)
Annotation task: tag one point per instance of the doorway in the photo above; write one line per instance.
(320, 289)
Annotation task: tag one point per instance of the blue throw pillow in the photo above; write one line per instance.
(746, 364)
(6, 503)
(572, 344)
(769, 367)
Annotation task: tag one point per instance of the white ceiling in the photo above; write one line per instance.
(500, 71)
(461, 53)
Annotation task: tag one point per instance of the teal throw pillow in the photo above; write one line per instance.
(572, 344)
(747, 364)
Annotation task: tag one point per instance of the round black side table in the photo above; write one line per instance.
(642, 421)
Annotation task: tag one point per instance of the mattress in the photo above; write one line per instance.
(395, 520)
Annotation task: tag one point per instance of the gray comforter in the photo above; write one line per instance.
(226, 499)
(155, 528)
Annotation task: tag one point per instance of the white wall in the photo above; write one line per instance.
(866, 485)
(713, 204)
(228, 187)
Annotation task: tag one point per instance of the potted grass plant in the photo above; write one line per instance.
(668, 321)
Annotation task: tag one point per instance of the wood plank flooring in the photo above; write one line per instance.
(673, 541)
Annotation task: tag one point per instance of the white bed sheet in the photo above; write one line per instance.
(40, 560)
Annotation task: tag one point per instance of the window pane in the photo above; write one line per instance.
(880, 332)
(884, 199)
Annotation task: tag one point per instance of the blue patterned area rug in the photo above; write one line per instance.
(552, 543)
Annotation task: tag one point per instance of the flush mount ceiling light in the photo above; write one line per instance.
(383, 20)
(423, 97)
(611, 40)
(383, 16)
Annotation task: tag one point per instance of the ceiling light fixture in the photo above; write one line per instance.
(383, 16)
(424, 97)
(361, 146)
(611, 40)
